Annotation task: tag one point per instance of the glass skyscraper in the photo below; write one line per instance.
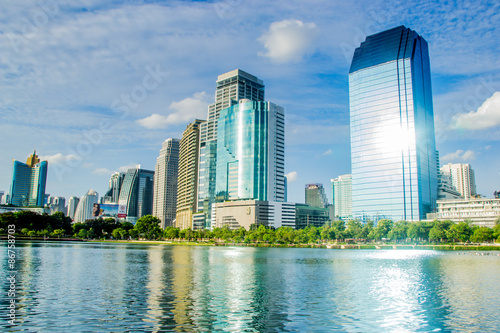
(137, 193)
(393, 150)
(251, 152)
(28, 182)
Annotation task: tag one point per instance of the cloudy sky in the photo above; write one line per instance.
(97, 86)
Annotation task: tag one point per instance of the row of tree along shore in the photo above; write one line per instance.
(57, 225)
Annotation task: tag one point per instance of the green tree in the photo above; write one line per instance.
(31, 233)
(399, 231)
(59, 232)
(82, 233)
(25, 231)
(116, 233)
(149, 226)
(482, 234)
(171, 232)
(460, 231)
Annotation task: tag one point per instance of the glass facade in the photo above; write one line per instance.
(393, 152)
(250, 152)
(342, 196)
(28, 182)
(316, 196)
(137, 193)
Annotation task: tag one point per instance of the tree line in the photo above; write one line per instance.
(148, 227)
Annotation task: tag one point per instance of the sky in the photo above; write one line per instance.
(97, 86)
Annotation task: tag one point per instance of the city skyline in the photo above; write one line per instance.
(68, 94)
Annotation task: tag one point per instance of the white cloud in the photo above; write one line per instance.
(130, 166)
(289, 40)
(58, 158)
(102, 171)
(185, 111)
(460, 156)
(291, 176)
(328, 152)
(486, 116)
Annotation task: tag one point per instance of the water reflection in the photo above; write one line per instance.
(155, 288)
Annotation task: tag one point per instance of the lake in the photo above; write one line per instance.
(116, 287)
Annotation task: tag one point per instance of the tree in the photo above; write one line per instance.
(59, 232)
(460, 231)
(149, 226)
(399, 231)
(482, 234)
(437, 233)
(25, 231)
(171, 232)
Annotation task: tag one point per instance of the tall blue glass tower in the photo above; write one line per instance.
(28, 182)
(393, 149)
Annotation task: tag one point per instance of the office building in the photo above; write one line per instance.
(342, 197)
(479, 211)
(1, 197)
(316, 196)
(446, 189)
(72, 205)
(187, 189)
(251, 152)
(57, 204)
(165, 183)
(462, 178)
(28, 182)
(245, 213)
(115, 186)
(230, 88)
(84, 210)
(137, 193)
(307, 216)
(393, 150)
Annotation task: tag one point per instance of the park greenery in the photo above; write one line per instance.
(148, 227)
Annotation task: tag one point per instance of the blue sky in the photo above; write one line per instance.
(97, 86)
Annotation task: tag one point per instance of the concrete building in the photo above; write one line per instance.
(187, 189)
(28, 182)
(165, 183)
(342, 197)
(479, 211)
(1, 197)
(72, 205)
(84, 210)
(57, 204)
(462, 177)
(446, 189)
(244, 213)
(393, 150)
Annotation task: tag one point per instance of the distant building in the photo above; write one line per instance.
(137, 193)
(497, 194)
(316, 196)
(446, 189)
(479, 211)
(187, 190)
(28, 182)
(57, 204)
(85, 206)
(306, 216)
(165, 183)
(244, 213)
(462, 178)
(72, 205)
(342, 196)
(1, 197)
(115, 186)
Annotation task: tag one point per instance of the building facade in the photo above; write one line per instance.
(307, 216)
(462, 177)
(315, 196)
(251, 152)
(115, 186)
(230, 88)
(342, 197)
(165, 183)
(187, 189)
(83, 211)
(72, 205)
(137, 193)
(28, 182)
(393, 150)
(478, 211)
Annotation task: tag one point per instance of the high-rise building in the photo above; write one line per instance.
(393, 150)
(187, 193)
(1, 196)
(316, 196)
(72, 204)
(57, 204)
(231, 87)
(342, 196)
(251, 152)
(115, 186)
(28, 182)
(137, 193)
(84, 210)
(165, 183)
(462, 178)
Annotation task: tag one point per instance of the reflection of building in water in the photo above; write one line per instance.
(182, 284)
(155, 287)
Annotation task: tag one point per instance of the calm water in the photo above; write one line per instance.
(81, 287)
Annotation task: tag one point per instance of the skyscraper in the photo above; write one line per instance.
(187, 193)
(28, 182)
(342, 196)
(85, 205)
(393, 150)
(72, 205)
(137, 193)
(231, 87)
(462, 178)
(316, 196)
(165, 182)
(251, 152)
(115, 186)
